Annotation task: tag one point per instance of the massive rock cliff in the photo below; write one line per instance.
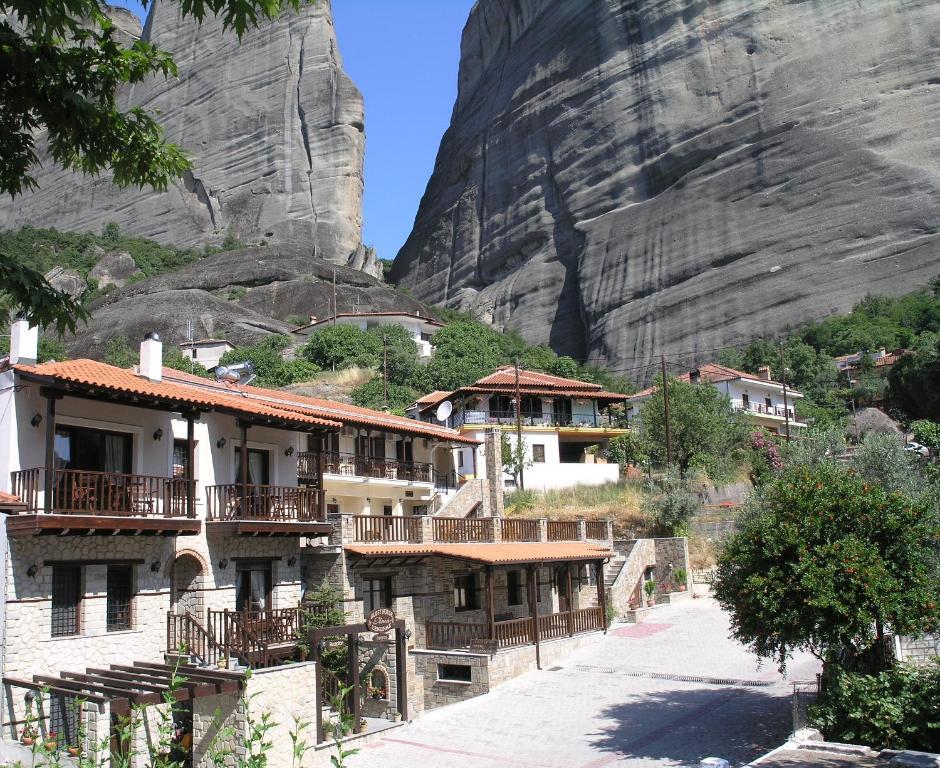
(624, 179)
(273, 125)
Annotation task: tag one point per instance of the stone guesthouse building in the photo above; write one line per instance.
(152, 518)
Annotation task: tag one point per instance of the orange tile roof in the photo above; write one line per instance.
(595, 394)
(714, 373)
(493, 554)
(326, 409)
(435, 397)
(9, 500)
(507, 376)
(92, 376)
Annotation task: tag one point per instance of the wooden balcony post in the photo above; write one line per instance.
(570, 600)
(190, 465)
(601, 592)
(490, 602)
(50, 451)
(534, 612)
(243, 455)
(352, 656)
(321, 491)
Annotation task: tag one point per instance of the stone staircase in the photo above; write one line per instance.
(469, 497)
(611, 573)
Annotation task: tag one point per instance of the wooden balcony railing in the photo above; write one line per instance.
(353, 465)
(515, 529)
(184, 634)
(458, 530)
(563, 530)
(386, 529)
(263, 502)
(255, 637)
(452, 635)
(83, 492)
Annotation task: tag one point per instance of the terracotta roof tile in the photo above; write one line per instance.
(537, 552)
(9, 500)
(507, 376)
(326, 409)
(596, 394)
(92, 375)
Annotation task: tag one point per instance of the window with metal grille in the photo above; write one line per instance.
(376, 593)
(63, 720)
(120, 596)
(66, 600)
(466, 593)
(538, 453)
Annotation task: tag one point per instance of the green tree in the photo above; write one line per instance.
(267, 360)
(627, 449)
(914, 382)
(927, 433)
(372, 395)
(63, 66)
(343, 346)
(464, 352)
(823, 561)
(706, 433)
(401, 351)
(118, 352)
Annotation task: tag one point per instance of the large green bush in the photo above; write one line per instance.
(895, 709)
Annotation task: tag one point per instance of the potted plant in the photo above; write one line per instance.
(75, 751)
(52, 741)
(681, 577)
(28, 736)
(650, 588)
(363, 725)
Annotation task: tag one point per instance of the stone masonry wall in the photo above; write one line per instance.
(920, 650)
(671, 554)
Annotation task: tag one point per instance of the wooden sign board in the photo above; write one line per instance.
(380, 621)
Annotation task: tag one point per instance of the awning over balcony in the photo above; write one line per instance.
(487, 554)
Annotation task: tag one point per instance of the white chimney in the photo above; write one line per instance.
(151, 357)
(24, 342)
(763, 372)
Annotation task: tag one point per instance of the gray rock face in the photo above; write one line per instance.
(241, 296)
(114, 268)
(625, 179)
(275, 130)
(69, 281)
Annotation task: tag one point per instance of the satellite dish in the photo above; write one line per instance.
(444, 410)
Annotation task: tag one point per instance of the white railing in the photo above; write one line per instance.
(762, 409)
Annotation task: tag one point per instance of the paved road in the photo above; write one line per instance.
(616, 702)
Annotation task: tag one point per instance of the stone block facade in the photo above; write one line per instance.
(655, 559)
(920, 650)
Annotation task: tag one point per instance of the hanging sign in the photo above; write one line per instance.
(380, 621)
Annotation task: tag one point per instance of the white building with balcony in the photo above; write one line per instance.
(759, 397)
(566, 425)
(421, 327)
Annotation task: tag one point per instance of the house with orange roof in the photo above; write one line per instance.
(151, 517)
(758, 397)
(566, 425)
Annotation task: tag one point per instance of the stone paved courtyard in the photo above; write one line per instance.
(615, 703)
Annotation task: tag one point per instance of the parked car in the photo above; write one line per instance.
(920, 450)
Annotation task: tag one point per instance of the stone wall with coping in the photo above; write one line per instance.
(671, 554)
(217, 722)
(283, 692)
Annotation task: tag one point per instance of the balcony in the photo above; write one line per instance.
(355, 466)
(255, 638)
(455, 635)
(543, 419)
(770, 411)
(398, 529)
(268, 510)
(88, 502)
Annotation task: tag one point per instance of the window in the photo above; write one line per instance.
(66, 600)
(63, 719)
(253, 588)
(377, 446)
(404, 450)
(259, 463)
(745, 401)
(330, 443)
(532, 406)
(514, 587)
(92, 449)
(538, 453)
(180, 457)
(120, 595)
(769, 403)
(466, 593)
(376, 593)
(460, 459)
(501, 406)
(387, 510)
(454, 673)
(332, 509)
(426, 336)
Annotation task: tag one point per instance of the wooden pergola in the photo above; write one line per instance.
(123, 687)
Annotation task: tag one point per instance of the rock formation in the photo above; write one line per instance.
(624, 179)
(273, 125)
(240, 296)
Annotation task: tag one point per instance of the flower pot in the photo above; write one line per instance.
(74, 751)
(27, 741)
(51, 745)
(682, 587)
(362, 727)
(650, 603)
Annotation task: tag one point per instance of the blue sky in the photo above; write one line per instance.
(403, 55)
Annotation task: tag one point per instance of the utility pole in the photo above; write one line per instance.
(334, 297)
(385, 370)
(662, 361)
(783, 380)
(519, 455)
